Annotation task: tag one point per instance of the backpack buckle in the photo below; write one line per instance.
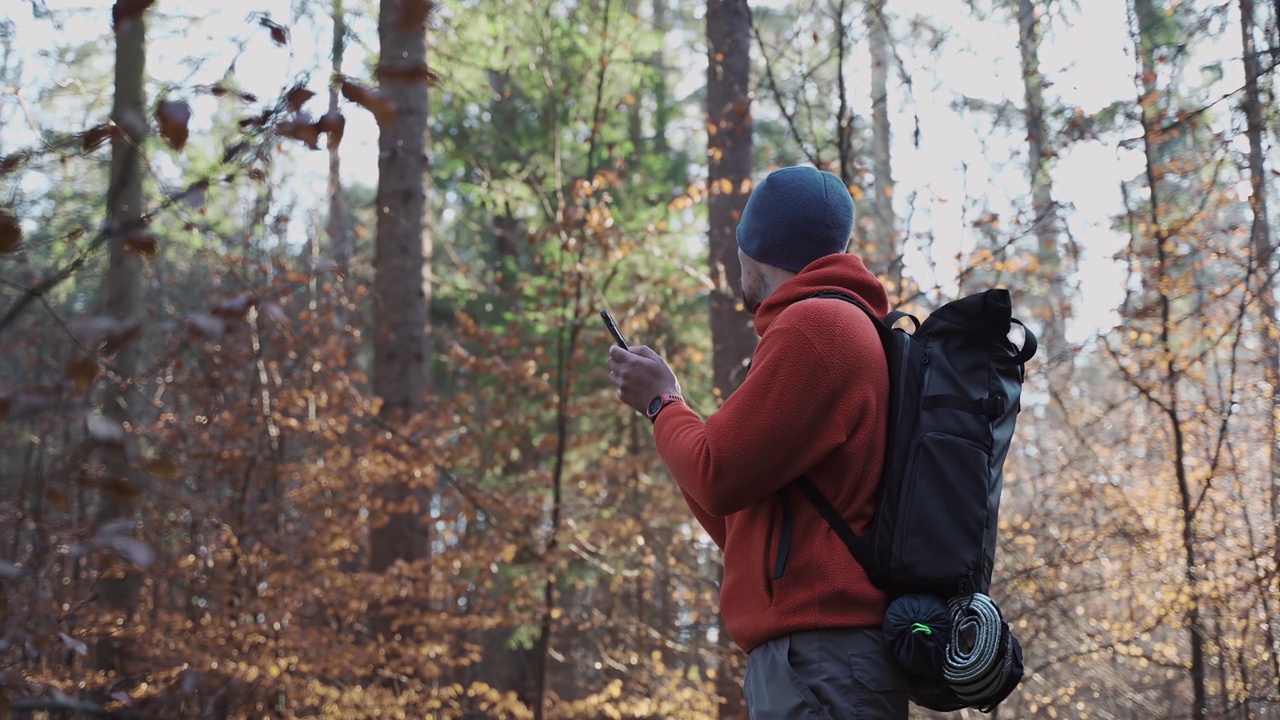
(993, 406)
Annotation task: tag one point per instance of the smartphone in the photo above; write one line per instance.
(613, 329)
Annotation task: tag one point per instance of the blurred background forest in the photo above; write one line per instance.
(302, 402)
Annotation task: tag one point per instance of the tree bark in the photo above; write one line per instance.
(402, 260)
(1264, 255)
(124, 299)
(730, 163)
(1152, 115)
(732, 158)
(340, 241)
(1052, 302)
(886, 259)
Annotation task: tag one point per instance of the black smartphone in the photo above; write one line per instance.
(613, 329)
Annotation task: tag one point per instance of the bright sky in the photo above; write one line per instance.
(1086, 59)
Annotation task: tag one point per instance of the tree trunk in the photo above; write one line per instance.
(730, 164)
(124, 298)
(658, 61)
(1263, 251)
(340, 242)
(886, 258)
(732, 158)
(402, 260)
(1152, 119)
(1052, 297)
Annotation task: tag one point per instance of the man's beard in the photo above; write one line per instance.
(747, 301)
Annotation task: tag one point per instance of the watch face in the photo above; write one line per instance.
(655, 405)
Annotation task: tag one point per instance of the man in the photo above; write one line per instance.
(813, 403)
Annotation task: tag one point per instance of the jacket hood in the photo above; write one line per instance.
(840, 272)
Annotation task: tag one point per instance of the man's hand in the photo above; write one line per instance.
(641, 375)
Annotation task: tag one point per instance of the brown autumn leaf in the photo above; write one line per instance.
(332, 124)
(96, 136)
(125, 10)
(415, 14)
(306, 132)
(142, 241)
(10, 231)
(407, 72)
(161, 466)
(297, 97)
(384, 111)
(82, 372)
(279, 33)
(173, 117)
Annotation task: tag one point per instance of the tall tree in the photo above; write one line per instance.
(731, 157)
(340, 242)
(886, 258)
(1263, 251)
(402, 261)
(124, 292)
(1153, 31)
(1044, 209)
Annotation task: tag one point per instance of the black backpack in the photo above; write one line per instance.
(954, 389)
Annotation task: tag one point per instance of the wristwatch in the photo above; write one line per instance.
(659, 402)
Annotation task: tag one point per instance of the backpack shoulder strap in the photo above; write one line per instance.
(836, 521)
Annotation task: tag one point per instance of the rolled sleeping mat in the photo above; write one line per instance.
(983, 662)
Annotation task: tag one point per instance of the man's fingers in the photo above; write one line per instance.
(646, 351)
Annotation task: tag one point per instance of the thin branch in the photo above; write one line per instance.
(777, 94)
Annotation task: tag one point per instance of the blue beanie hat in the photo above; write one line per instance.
(795, 216)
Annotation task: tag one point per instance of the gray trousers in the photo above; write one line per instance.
(844, 674)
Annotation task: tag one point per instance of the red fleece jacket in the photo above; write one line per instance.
(815, 402)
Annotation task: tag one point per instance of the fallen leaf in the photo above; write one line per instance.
(173, 117)
(279, 33)
(10, 231)
(384, 111)
(297, 97)
(76, 646)
(106, 430)
(82, 372)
